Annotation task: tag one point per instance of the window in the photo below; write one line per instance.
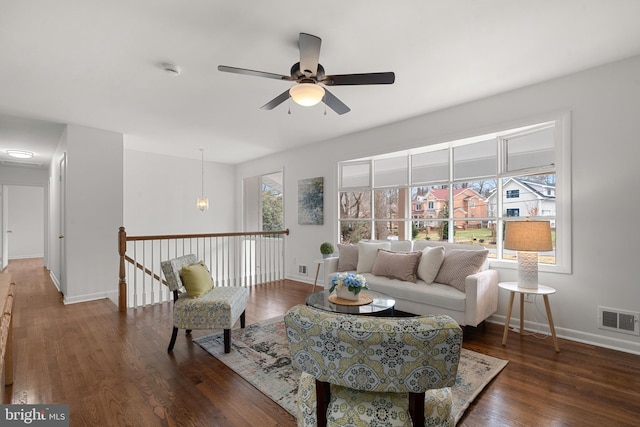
(463, 191)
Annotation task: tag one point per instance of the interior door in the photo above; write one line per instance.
(63, 248)
(4, 235)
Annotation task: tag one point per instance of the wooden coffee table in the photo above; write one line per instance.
(382, 304)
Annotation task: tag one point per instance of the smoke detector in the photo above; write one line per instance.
(170, 69)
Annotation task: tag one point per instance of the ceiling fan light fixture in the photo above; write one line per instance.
(20, 154)
(307, 94)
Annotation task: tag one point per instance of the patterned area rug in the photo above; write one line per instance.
(260, 354)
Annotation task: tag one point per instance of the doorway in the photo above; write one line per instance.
(23, 222)
(263, 202)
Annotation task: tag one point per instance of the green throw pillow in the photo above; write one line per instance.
(196, 279)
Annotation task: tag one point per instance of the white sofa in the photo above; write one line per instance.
(469, 307)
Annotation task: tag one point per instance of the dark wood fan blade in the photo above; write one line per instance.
(246, 72)
(334, 103)
(359, 79)
(276, 101)
(309, 53)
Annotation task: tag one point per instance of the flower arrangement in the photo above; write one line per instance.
(354, 282)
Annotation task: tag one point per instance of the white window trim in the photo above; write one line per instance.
(562, 169)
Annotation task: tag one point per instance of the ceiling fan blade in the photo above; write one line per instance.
(334, 103)
(309, 53)
(359, 79)
(276, 101)
(244, 71)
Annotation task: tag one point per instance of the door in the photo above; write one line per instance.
(4, 236)
(63, 249)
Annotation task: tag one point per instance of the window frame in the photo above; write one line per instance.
(561, 168)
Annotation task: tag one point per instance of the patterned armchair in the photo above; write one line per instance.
(373, 371)
(218, 308)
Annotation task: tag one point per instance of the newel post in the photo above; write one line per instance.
(122, 286)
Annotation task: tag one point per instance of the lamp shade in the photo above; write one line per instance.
(532, 236)
(306, 94)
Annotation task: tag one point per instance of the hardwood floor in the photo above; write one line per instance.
(113, 368)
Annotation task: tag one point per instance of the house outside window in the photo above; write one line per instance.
(463, 191)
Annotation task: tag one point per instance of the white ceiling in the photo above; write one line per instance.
(96, 63)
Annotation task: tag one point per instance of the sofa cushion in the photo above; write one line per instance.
(458, 264)
(435, 294)
(367, 252)
(347, 257)
(419, 245)
(396, 265)
(396, 245)
(430, 263)
(196, 279)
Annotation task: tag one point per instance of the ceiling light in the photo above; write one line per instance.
(20, 154)
(307, 94)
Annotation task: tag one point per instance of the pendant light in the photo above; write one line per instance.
(202, 202)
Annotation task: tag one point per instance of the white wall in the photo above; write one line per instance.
(604, 105)
(94, 211)
(26, 221)
(161, 193)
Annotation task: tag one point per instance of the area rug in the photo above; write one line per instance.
(260, 355)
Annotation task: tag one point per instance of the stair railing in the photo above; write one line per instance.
(234, 259)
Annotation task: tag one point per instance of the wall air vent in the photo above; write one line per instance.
(302, 270)
(613, 319)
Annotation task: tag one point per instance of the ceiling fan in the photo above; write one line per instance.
(310, 78)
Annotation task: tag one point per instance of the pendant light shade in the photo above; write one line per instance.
(202, 203)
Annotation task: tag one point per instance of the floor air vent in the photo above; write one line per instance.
(618, 320)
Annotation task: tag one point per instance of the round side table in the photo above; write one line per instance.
(514, 289)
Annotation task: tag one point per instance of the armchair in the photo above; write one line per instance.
(218, 308)
(372, 370)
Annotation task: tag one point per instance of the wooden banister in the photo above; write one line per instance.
(146, 270)
(124, 258)
(198, 236)
(122, 285)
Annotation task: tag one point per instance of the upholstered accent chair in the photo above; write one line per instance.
(373, 371)
(217, 308)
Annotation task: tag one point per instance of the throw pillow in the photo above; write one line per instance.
(430, 262)
(397, 265)
(458, 264)
(196, 279)
(347, 257)
(367, 252)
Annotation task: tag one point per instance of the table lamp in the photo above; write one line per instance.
(528, 237)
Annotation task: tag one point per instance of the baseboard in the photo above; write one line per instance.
(85, 298)
(55, 280)
(303, 279)
(573, 335)
(26, 256)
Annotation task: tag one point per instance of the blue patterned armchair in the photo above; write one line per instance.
(219, 308)
(373, 371)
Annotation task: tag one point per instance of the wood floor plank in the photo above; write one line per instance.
(113, 369)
